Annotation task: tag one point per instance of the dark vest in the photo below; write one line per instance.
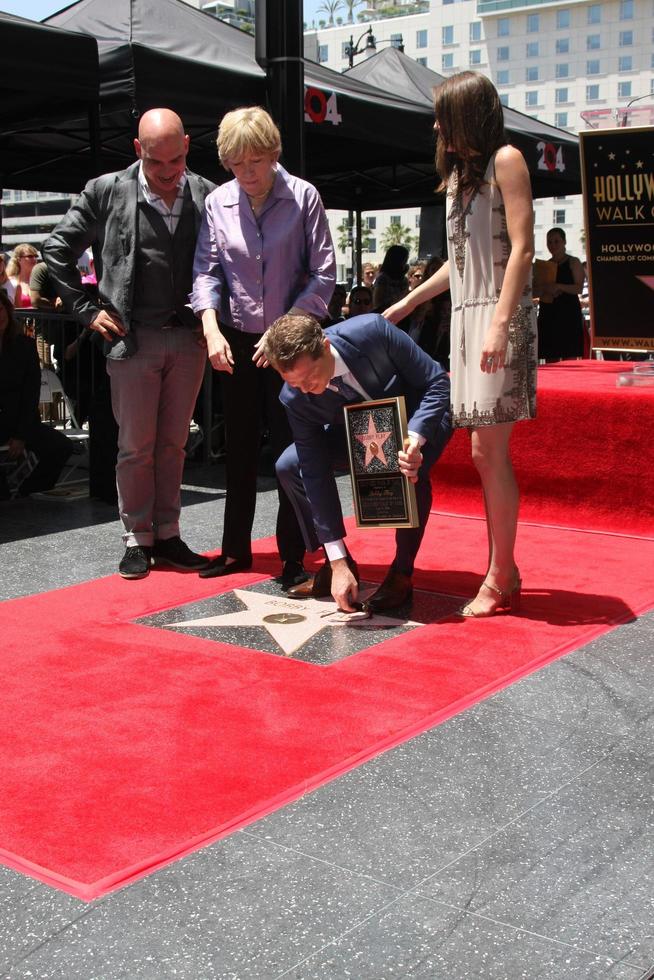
(163, 271)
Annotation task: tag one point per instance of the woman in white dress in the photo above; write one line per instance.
(493, 328)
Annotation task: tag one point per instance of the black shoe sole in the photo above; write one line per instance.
(219, 571)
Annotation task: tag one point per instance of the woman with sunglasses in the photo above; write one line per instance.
(19, 270)
(490, 229)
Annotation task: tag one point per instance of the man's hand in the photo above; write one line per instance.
(259, 356)
(219, 351)
(108, 324)
(344, 585)
(16, 448)
(410, 459)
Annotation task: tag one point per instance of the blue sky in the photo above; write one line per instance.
(38, 9)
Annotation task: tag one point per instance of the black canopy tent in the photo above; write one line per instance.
(163, 52)
(49, 108)
(552, 154)
(365, 148)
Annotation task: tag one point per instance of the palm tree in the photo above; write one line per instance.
(329, 7)
(349, 6)
(399, 234)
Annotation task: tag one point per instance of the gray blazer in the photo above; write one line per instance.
(104, 217)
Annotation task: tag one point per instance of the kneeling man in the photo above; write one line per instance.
(361, 359)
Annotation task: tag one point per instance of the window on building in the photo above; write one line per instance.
(561, 96)
(503, 27)
(531, 99)
(593, 66)
(558, 216)
(371, 222)
(417, 221)
(593, 42)
(533, 23)
(345, 49)
(626, 9)
(372, 245)
(502, 77)
(421, 39)
(532, 49)
(422, 61)
(625, 62)
(504, 99)
(562, 71)
(652, 64)
(475, 31)
(651, 84)
(563, 45)
(396, 40)
(396, 219)
(447, 61)
(563, 19)
(503, 54)
(531, 73)
(594, 14)
(592, 93)
(447, 34)
(323, 53)
(624, 90)
(626, 39)
(561, 119)
(475, 56)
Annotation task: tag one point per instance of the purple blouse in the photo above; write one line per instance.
(252, 270)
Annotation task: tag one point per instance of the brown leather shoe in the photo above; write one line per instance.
(395, 590)
(319, 586)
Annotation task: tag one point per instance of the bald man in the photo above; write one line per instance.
(142, 224)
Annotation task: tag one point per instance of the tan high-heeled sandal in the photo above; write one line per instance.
(509, 601)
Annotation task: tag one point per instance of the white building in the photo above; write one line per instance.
(553, 59)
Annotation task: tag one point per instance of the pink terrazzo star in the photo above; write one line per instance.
(373, 441)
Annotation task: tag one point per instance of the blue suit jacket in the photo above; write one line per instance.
(386, 363)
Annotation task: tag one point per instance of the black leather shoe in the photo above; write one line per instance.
(395, 590)
(319, 586)
(220, 566)
(135, 563)
(293, 573)
(173, 552)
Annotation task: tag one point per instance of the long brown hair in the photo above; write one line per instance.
(470, 121)
(12, 329)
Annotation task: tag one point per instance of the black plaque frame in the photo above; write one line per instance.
(383, 497)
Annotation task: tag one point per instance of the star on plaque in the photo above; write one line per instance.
(373, 441)
(290, 622)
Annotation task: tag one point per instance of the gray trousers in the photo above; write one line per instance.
(153, 395)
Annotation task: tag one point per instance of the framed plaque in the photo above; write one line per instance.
(376, 431)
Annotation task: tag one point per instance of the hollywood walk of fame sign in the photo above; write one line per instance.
(376, 431)
(618, 187)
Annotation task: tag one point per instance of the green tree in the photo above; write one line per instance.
(399, 234)
(346, 237)
(329, 7)
(349, 6)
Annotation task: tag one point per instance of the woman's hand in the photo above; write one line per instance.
(259, 356)
(493, 352)
(396, 312)
(219, 351)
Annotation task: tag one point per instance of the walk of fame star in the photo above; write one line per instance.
(290, 622)
(373, 441)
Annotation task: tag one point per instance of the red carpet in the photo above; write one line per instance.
(124, 747)
(586, 461)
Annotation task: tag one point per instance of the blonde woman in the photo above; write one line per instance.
(264, 249)
(19, 270)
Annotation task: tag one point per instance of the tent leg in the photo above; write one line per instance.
(358, 278)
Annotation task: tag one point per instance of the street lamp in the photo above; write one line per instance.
(352, 49)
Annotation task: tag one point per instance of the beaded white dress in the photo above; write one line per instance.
(478, 252)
